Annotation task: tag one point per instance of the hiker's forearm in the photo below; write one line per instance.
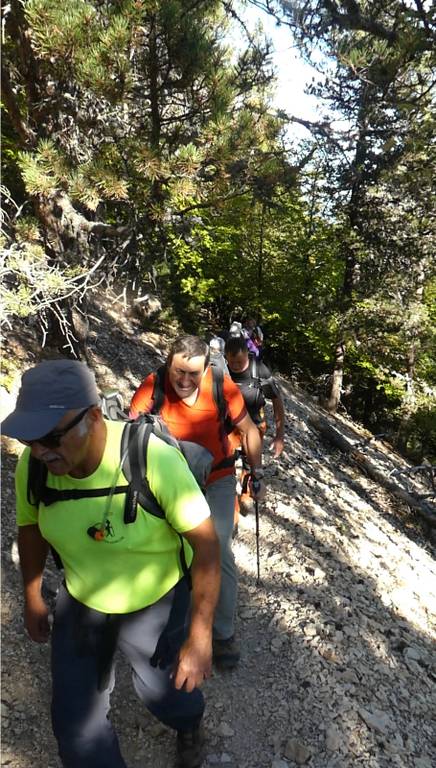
(33, 550)
(205, 572)
(33, 553)
(205, 593)
(194, 663)
(279, 417)
(254, 447)
(252, 441)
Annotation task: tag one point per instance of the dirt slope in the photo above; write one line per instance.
(338, 654)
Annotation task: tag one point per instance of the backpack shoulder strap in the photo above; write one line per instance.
(217, 391)
(253, 369)
(36, 481)
(134, 445)
(158, 390)
(36, 489)
(219, 399)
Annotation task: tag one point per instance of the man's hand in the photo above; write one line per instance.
(194, 664)
(277, 446)
(36, 621)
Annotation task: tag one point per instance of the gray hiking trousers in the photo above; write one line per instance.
(220, 496)
(83, 646)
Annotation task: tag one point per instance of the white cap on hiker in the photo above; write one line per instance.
(47, 392)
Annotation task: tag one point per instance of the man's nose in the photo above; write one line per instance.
(185, 377)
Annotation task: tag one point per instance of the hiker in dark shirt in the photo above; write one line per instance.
(256, 384)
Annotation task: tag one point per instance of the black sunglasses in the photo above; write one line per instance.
(53, 439)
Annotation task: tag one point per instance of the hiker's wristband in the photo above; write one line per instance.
(257, 473)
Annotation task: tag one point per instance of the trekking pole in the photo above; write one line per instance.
(256, 507)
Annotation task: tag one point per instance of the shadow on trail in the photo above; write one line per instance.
(323, 471)
(334, 627)
(337, 648)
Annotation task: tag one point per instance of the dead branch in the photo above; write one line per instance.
(330, 434)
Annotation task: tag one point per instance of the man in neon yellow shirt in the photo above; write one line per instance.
(123, 589)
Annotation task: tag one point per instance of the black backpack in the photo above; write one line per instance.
(133, 453)
(251, 389)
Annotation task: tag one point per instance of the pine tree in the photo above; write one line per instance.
(124, 117)
(377, 64)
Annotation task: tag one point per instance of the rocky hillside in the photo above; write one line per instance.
(338, 655)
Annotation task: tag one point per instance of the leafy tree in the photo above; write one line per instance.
(378, 75)
(276, 259)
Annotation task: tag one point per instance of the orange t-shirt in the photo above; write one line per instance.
(198, 422)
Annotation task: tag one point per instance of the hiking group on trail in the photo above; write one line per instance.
(146, 552)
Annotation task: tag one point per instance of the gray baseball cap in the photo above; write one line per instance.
(47, 392)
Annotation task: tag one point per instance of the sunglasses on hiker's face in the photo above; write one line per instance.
(53, 439)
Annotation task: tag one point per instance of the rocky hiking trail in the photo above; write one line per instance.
(338, 664)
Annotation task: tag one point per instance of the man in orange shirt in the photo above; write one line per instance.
(189, 410)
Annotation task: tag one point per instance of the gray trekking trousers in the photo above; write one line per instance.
(84, 642)
(220, 496)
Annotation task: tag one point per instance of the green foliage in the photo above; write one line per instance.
(136, 113)
(59, 30)
(108, 54)
(93, 182)
(27, 230)
(94, 49)
(417, 432)
(261, 259)
(43, 171)
(190, 264)
(46, 170)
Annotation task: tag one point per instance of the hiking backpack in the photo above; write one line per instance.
(216, 353)
(251, 389)
(235, 329)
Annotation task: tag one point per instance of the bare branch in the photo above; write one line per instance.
(20, 126)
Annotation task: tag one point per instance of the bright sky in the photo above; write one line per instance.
(292, 72)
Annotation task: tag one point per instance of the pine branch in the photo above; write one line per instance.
(353, 19)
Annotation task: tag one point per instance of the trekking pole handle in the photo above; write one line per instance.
(255, 484)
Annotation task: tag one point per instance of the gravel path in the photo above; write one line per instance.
(338, 654)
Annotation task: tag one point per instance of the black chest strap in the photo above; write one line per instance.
(52, 495)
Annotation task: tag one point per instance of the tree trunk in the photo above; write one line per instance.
(350, 253)
(260, 261)
(334, 397)
(413, 351)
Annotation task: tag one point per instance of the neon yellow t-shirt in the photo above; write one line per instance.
(135, 564)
